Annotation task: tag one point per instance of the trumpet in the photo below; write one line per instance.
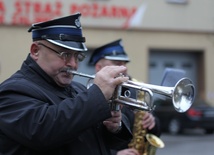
(182, 94)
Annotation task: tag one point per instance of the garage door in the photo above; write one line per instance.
(159, 60)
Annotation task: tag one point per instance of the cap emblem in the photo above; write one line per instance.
(77, 23)
(114, 52)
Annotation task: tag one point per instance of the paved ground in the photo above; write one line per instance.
(190, 143)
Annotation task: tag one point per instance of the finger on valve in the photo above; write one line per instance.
(106, 81)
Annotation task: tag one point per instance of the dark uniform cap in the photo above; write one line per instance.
(110, 51)
(65, 32)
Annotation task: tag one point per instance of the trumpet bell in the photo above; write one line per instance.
(183, 95)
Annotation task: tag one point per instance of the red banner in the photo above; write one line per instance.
(26, 12)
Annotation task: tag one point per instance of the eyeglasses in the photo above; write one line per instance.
(66, 56)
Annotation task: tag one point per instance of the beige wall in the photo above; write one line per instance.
(196, 15)
(15, 44)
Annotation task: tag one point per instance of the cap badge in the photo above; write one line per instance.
(77, 22)
(114, 52)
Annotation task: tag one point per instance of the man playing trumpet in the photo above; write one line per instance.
(43, 111)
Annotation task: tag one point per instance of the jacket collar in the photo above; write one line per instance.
(34, 73)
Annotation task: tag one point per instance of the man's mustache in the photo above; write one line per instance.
(67, 69)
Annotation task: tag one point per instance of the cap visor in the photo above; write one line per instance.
(118, 58)
(77, 46)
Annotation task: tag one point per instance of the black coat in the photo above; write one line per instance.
(39, 117)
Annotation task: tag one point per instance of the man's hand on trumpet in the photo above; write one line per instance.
(107, 79)
(113, 124)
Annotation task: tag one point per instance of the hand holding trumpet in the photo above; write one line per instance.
(114, 123)
(107, 79)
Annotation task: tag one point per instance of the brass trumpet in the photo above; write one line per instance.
(182, 94)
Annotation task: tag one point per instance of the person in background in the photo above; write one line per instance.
(113, 54)
(43, 111)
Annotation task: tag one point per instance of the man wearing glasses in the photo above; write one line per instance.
(42, 111)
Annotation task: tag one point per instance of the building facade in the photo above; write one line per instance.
(156, 35)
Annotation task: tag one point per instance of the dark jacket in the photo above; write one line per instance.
(38, 117)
